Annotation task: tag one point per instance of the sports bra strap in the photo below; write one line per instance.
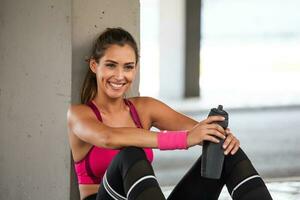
(95, 109)
(134, 113)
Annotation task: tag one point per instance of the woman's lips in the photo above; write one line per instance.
(116, 86)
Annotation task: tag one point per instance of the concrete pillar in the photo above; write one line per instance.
(179, 49)
(35, 91)
(172, 49)
(42, 49)
(192, 48)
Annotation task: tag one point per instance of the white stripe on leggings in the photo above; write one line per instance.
(138, 181)
(118, 197)
(109, 192)
(242, 182)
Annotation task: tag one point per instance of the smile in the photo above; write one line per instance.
(116, 86)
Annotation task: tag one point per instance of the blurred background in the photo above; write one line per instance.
(247, 55)
(249, 51)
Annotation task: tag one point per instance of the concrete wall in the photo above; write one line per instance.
(42, 46)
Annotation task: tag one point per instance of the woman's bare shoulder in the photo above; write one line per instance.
(142, 100)
(147, 103)
(163, 116)
(78, 111)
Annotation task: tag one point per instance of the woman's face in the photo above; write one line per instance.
(116, 70)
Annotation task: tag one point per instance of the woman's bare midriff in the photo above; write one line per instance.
(88, 189)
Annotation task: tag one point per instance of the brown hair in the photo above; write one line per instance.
(108, 37)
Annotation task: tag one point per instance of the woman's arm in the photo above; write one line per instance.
(164, 117)
(86, 127)
(90, 130)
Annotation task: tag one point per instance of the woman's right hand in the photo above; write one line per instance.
(206, 130)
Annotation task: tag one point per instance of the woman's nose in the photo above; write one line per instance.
(119, 73)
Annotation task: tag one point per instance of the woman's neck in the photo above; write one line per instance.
(110, 105)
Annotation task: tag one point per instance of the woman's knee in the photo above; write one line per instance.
(231, 160)
(238, 165)
(128, 156)
(131, 153)
(238, 156)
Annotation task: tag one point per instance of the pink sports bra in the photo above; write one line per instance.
(92, 167)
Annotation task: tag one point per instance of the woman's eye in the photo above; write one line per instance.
(129, 67)
(110, 65)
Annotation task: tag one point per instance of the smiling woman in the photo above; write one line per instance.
(112, 144)
(115, 70)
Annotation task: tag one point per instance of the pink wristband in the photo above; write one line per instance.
(169, 140)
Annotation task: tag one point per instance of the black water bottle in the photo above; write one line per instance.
(213, 153)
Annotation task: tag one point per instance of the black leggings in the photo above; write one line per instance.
(131, 176)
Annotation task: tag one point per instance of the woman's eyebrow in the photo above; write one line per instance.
(129, 63)
(117, 62)
(111, 61)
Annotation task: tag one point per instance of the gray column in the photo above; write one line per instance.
(192, 48)
(35, 91)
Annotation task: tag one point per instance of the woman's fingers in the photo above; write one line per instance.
(231, 144)
(213, 132)
(227, 141)
(227, 131)
(211, 119)
(211, 139)
(235, 149)
(216, 127)
(230, 147)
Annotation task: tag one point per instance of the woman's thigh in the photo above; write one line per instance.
(194, 186)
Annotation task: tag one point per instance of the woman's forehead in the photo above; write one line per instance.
(119, 53)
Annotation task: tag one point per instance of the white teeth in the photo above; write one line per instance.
(118, 86)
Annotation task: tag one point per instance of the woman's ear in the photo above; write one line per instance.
(93, 65)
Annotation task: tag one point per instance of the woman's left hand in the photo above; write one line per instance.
(231, 143)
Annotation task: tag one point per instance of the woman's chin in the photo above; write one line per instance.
(115, 95)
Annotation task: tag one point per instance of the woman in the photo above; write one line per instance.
(112, 144)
